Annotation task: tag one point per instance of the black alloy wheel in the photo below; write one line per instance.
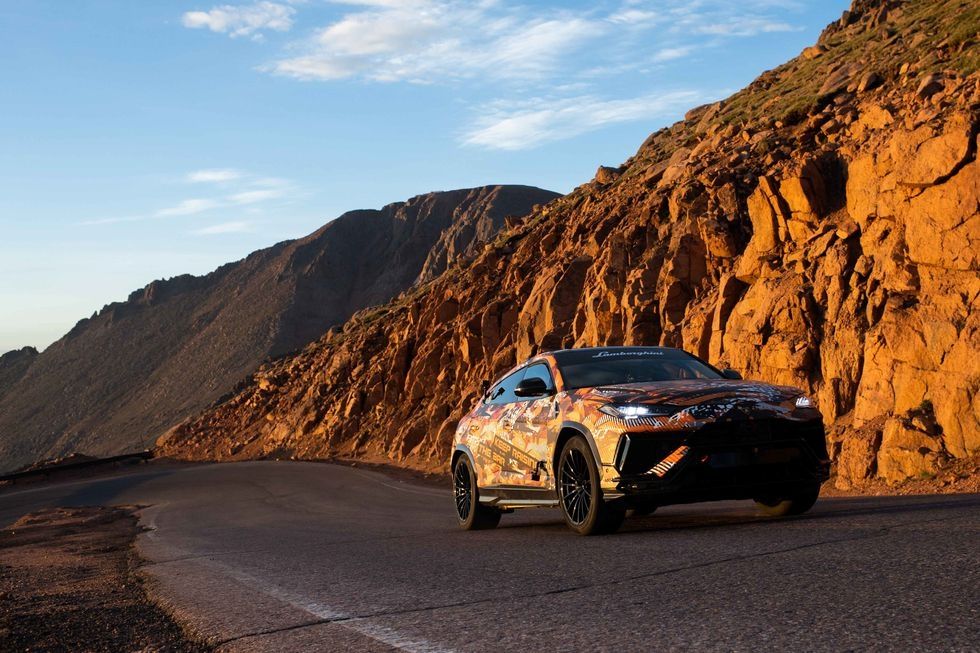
(576, 487)
(461, 492)
(470, 515)
(579, 494)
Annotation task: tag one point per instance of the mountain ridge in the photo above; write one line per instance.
(135, 368)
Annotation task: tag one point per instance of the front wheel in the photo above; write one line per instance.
(796, 503)
(579, 495)
(470, 515)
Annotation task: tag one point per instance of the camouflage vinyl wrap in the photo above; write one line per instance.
(513, 444)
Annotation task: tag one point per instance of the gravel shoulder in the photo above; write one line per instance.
(68, 582)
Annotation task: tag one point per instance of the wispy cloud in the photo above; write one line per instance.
(633, 16)
(503, 46)
(234, 189)
(188, 207)
(254, 196)
(434, 40)
(242, 20)
(214, 175)
(234, 227)
(531, 123)
(744, 26)
(438, 40)
(669, 54)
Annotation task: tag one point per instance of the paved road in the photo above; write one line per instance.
(303, 556)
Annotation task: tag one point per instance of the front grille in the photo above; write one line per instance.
(639, 452)
(729, 444)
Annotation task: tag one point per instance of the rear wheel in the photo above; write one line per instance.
(796, 503)
(579, 495)
(470, 515)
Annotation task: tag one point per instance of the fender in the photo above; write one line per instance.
(585, 433)
(608, 492)
(466, 451)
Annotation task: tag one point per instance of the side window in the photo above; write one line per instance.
(503, 392)
(542, 372)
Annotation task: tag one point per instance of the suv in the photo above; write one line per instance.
(602, 430)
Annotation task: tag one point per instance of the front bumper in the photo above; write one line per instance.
(727, 460)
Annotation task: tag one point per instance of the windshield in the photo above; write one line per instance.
(595, 367)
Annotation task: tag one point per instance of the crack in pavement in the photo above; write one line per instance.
(348, 620)
(271, 631)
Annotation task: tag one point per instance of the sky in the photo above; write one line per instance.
(141, 140)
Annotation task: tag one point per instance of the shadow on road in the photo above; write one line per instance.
(703, 517)
(90, 492)
(103, 493)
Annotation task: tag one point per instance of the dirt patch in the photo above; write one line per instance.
(68, 583)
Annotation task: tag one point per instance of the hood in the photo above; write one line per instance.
(683, 394)
(699, 401)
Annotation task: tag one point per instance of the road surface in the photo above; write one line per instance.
(304, 556)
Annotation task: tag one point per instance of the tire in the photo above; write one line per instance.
(796, 504)
(470, 515)
(579, 493)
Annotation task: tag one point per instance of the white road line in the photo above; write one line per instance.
(403, 488)
(361, 625)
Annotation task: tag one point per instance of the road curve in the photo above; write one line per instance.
(305, 556)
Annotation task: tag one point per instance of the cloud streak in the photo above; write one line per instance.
(242, 20)
(436, 40)
(255, 196)
(499, 48)
(214, 175)
(535, 122)
(431, 41)
(241, 189)
(188, 207)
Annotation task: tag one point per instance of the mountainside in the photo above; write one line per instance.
(119, 379)
(819, 228)
(13, 365)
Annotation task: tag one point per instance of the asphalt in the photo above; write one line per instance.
(304, 556)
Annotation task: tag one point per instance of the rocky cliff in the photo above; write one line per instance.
(819, 228)
(135, 369)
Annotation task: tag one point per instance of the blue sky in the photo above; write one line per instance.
(140, 140)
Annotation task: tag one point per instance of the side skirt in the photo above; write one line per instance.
(507, 498)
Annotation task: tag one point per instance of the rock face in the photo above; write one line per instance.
(135, 369)
(819, 228)
(13, 365)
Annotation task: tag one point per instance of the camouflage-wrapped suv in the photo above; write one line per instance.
(599, 431)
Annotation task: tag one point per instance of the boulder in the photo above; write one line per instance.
(869, 81)
(907, 452)
(606, 174)
(930, 84)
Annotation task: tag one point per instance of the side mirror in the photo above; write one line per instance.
(731, 374)
(484, 388)
(533, 387)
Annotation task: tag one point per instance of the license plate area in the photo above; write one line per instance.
(753, 456)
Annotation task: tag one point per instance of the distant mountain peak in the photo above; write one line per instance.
(136, 368)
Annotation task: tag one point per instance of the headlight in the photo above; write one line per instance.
(803, 402)
(631, 411)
